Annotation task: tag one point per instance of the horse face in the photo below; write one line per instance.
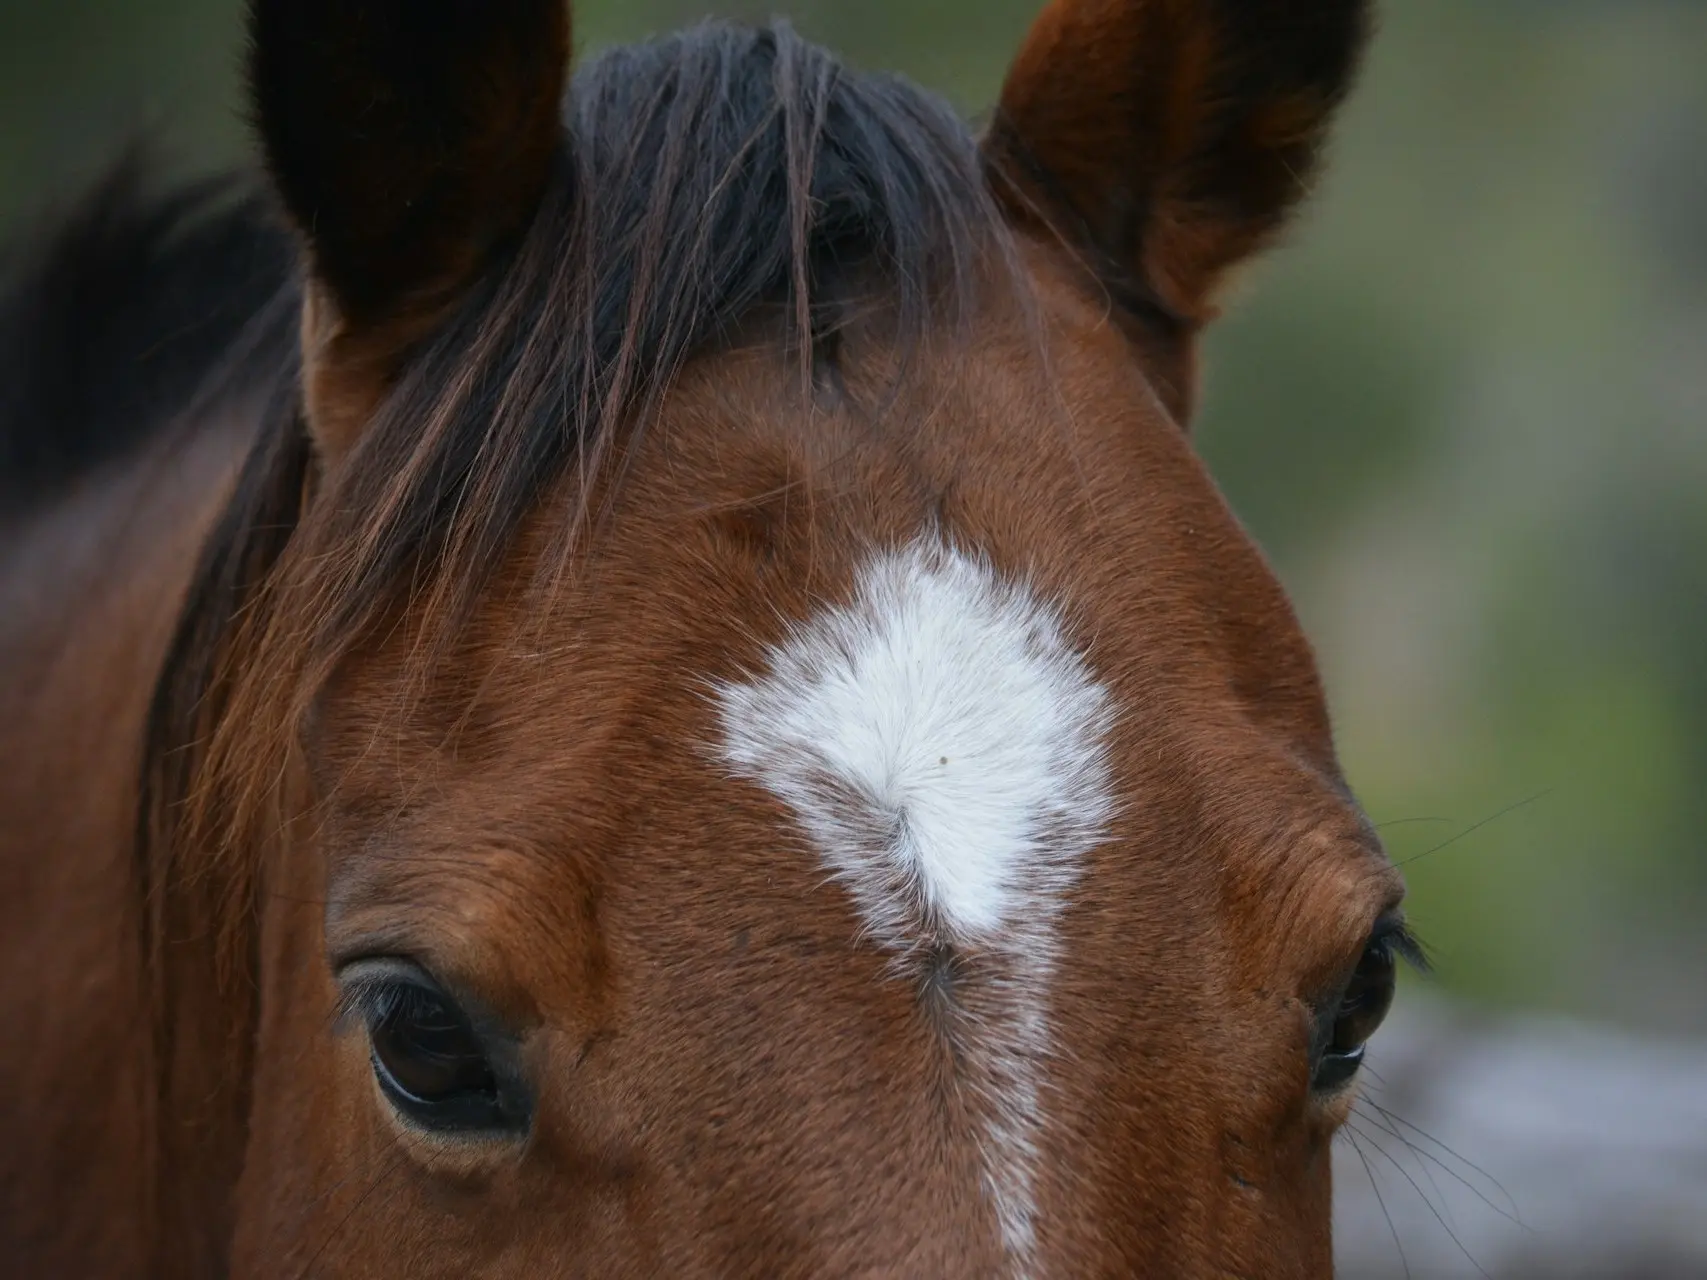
(904, 836)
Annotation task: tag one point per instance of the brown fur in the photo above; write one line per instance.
(493, 754)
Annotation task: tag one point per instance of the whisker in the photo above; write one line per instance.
(1380, 1200)
(1429, 1204)
(397, 1157)
(1471, 830)
(1513, 1216)
(1428, 1173)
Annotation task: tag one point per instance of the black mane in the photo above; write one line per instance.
(704, 176)
(113, 319)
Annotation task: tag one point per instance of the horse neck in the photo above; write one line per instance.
(91, 585)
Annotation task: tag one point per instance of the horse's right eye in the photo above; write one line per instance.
(430, 1062)
(1343, 1032)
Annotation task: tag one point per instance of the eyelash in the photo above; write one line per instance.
(369, 999)
(1398, 940)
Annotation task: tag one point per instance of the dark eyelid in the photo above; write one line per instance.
(1391, 934)
(1394, 934)
(376, 993)
(366, 985)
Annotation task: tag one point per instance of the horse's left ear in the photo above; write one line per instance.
(1169, 139)
(408, 139)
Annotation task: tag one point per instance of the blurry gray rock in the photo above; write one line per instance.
(1589, 1147)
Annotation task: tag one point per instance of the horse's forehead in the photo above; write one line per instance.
(997, 560)
(940, 738)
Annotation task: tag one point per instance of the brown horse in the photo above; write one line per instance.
(678, 703)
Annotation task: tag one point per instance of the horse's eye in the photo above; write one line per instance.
(1367, 998)
(430, 1062)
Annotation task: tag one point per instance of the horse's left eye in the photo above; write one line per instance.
(1361, 1010)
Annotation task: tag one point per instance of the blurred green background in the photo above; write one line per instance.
(1465, 411)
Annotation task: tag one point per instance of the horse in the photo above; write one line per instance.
(635, 673)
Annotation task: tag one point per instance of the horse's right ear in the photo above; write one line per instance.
(408, 139)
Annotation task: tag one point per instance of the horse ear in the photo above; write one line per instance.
(1170, 139)
(407, 140)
